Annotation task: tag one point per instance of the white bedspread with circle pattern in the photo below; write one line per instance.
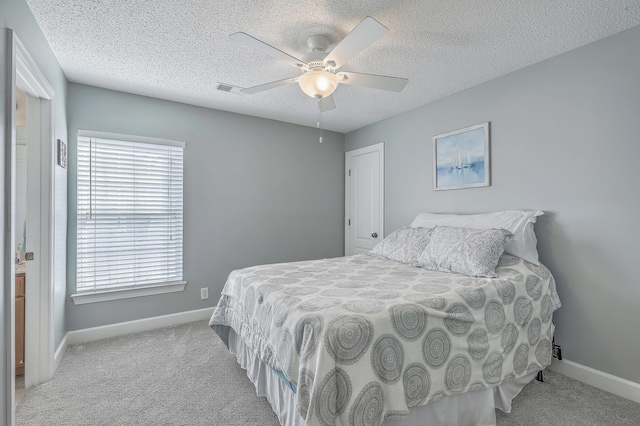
(363, 338)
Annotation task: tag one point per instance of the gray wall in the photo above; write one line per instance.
(564, 140)
(256, 191)
(15, 14)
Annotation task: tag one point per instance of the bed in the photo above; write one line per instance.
(367, 340)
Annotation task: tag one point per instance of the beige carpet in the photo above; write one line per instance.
(184, 375)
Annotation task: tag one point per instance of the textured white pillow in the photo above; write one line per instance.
(518, 222)
(403, 245)
(472, 252)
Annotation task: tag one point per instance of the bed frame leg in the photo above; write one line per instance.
(540, 377)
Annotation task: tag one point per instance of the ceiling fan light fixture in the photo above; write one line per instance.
(318, 83)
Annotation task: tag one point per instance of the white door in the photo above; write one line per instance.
(364, 190)
(32, 239)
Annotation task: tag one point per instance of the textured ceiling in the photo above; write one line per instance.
(180, 50)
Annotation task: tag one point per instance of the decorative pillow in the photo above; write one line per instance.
(403, 245)
(518, 222)
(473, 252)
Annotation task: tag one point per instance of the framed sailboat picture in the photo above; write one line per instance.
(461, 158)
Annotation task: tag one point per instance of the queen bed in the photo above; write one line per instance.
(380, 339)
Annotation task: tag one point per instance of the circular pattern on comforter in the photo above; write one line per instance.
(459, 319)
(387, 358)
(281, 308)
(431, 288)
(379, 294)
(266, 316)
(494, 316)
(368, 407)
(506, 290)
(268, 272)
(521, 358)
(305, 388)
(319, 304)
(522, 310)
(339, 292)
(436, 347)
(390, 286)
(458, 373)
(250, 300)
(408, 320)
(534, 331)
(307, 332)
(545, 309)
(250, 279)
(509, 337)
(364, 306)
(477, 386)
(285, 350)
(474, 297)
(435, 302)
(333, 395)
(543, 352)
(492, 368)
(283, 280)
(348, 337)
(298, 274)
(534, 287)
(353, 284)
(478, 344)
(300, 291)
(539, 270)
(417, 383)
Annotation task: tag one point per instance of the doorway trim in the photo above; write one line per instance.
(379, 147)
(39, 331)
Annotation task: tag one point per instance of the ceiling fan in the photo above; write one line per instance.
(319, 78)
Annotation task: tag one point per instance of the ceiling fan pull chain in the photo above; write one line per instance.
(319, 123)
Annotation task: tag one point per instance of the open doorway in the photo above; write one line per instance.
(31, 179)
(26, 232)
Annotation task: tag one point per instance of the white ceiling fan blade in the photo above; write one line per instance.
(393, 84)
(362, 36)
(263, 47)
(267, 86)
(327, 103)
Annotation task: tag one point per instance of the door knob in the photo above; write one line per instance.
(374, 235)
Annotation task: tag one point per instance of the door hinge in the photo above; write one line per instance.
(349, 172)
(349, 222)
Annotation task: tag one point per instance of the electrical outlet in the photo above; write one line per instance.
(204, 293)
(557, 352)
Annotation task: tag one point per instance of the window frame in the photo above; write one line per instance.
(123, 292)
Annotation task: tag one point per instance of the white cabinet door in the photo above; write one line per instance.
(364, 199)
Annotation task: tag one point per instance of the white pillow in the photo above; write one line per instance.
(518, 222)
(472, 252)
(403, 245)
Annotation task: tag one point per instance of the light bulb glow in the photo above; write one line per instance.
(318, 84)
(322, 83)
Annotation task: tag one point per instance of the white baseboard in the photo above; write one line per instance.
(62, 348)
(119, 329)
(599, 379)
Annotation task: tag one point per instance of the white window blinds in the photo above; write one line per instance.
(130, 193)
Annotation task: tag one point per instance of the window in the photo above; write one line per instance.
(130, 219)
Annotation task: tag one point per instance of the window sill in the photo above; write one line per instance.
(126, 293)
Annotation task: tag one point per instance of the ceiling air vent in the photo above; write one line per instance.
(229, 88)
(225, 87)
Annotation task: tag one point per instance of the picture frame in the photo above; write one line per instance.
(62, 154)
(461, 158)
